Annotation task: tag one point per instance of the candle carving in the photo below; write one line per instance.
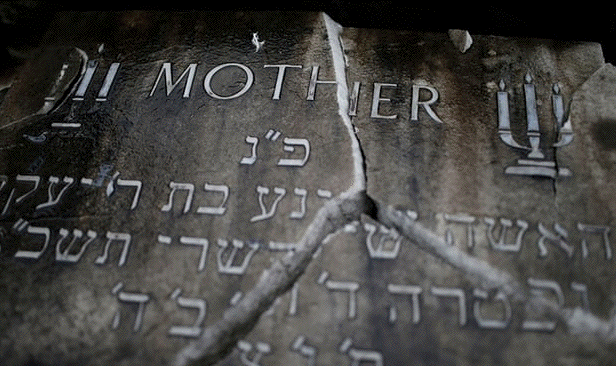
(535, 163)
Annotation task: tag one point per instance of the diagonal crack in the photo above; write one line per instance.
(334, 31)
(481, 272)
(578, 321)
(219, 339)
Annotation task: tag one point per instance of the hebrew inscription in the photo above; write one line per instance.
(252, 188)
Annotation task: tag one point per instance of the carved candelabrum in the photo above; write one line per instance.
(535, 163)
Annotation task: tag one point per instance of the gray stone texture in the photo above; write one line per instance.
(371, 294)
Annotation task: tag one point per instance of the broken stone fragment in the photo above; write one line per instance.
(461, 39)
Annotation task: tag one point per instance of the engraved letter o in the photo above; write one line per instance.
(208, 79)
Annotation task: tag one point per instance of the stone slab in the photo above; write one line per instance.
(154, 165)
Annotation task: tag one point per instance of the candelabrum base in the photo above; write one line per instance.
(538, 168)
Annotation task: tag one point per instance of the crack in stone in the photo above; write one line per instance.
(342, 93)
(479, 271)
(219, 339)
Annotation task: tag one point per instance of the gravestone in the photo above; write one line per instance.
(275, 188)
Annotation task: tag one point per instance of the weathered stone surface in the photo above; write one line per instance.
(453, 173)
(265, 162)
(209, 154)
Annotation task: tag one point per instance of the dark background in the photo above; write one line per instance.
(23, 22)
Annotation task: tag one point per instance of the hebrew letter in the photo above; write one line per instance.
(583, 291)
(65, 255)
(132, 183)
(288, 147)
(111, 237)
(309, 352)
(500, 243)
(27, 178)
(51, 201)
(265, 214)
(302, 193)
(189, 331)
(280, 246)
(351, 288)
(414, 291)
(218, 210)
(323, 193)
(260, 350)
(227, 266)
(381, 249)
(482, 295)
(86, 78)
(600, 230)
(360, 356)
(197, 241)
(9, 201)
(20, 225)
(253, 157)
(461, 219)
(129, 297)
(111, 73)
(175, 186)
(35, 254)
(293, 301)
(453, 292)
(88, 182)
(557, 239)
(540, 287)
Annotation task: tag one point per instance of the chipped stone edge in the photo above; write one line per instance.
(461, 39)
